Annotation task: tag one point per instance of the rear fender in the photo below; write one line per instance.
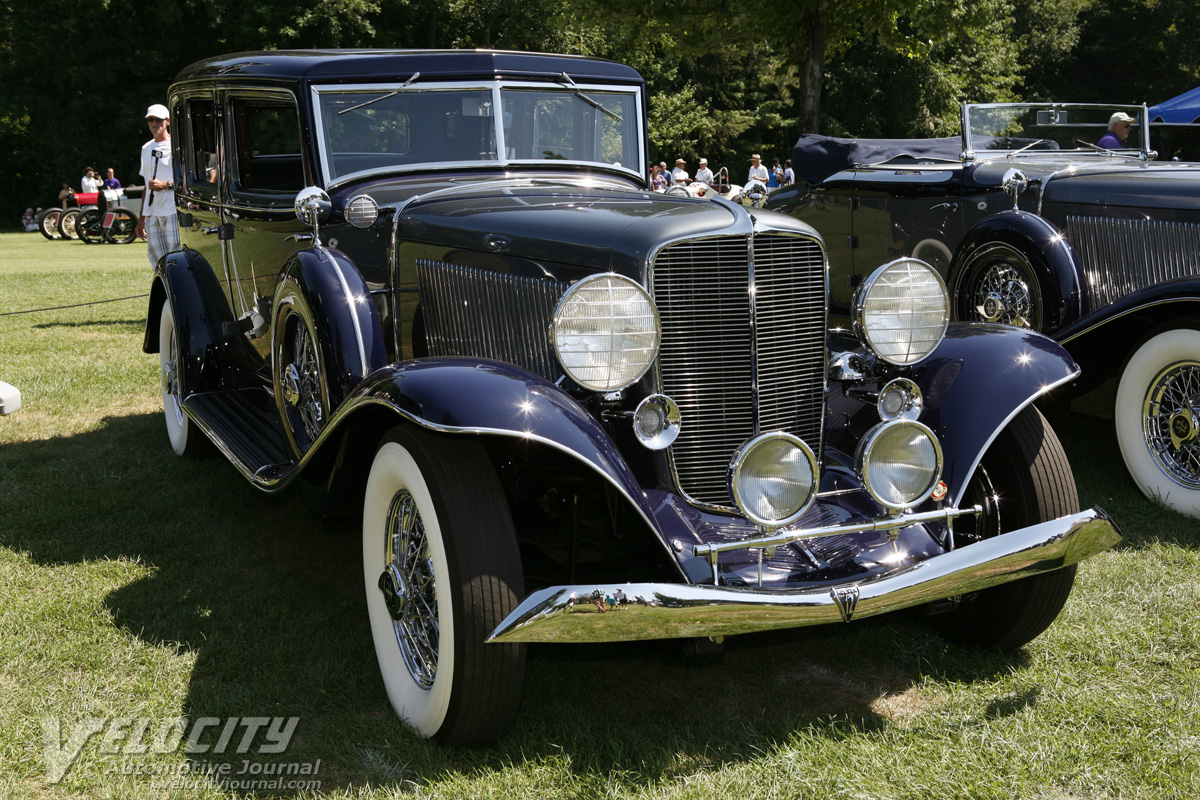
(200, 307)
(973, 385)
(1049, 253)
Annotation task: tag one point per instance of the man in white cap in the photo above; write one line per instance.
(703, 173)
(157, 223)
(1119, 125)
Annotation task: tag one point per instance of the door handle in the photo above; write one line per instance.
(944, 207)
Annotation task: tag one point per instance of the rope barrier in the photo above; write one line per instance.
(77, 305)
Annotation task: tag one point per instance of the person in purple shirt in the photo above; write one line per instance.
(1119, 125)
(111, 182)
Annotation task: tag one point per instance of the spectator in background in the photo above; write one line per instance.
(90, 182)
(1119, 125)
(703, 173)
(775, 176)
(680, 174)
(757, 171)
(789, 175)
(662, 168)
(29, 220)
(111, 181)
(157, 223)
(66, 196)
(658, 179)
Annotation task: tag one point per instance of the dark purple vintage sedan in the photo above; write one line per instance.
(1032, 223)
(435, 286)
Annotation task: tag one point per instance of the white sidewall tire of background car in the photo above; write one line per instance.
(423, 709)
(1168, 347)
(178, 428)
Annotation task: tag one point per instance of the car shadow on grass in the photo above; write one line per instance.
(268, 599)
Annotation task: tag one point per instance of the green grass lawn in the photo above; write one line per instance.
(134, 584)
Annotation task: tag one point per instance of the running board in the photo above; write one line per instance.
(244, 425)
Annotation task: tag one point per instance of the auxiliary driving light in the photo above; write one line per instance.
(900, 463)
(900, 399)
(656, 422)
(773, 479)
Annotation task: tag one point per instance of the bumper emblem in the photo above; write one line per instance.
(846, 598)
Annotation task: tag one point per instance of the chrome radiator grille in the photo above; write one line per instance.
(1121, 256)
(719, 338)
(476, 312)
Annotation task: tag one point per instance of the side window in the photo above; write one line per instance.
(266, 147)
(200, 161)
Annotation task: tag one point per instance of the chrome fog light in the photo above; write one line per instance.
(362, 211)
(656, 421)
(900, 463)
(773, 479)
(902, 310)
(606, 332)
(900, 399)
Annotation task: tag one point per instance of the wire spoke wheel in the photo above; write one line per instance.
(999, 286)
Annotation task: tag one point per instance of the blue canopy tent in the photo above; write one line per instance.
(1181, 110)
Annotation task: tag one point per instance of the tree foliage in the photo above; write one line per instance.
(725, 77)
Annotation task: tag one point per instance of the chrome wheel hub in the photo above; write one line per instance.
(408, 587)
(301, 382)
(1171, 422)
(1003, 295)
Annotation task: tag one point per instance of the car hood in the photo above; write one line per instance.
(599, 228)
(1133, 184)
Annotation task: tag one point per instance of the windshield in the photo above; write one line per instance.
(378, 128)
(1034, 127)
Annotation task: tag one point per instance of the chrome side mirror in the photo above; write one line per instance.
(1014, 183)
(312, 208)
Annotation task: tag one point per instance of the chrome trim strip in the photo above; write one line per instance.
(358, 334)
(1128, 311)
(954, 498)
(666, 610)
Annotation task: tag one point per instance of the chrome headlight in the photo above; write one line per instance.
(606, 332)
(900, 463)
(902, 310)
(773, 479)
(900, 399)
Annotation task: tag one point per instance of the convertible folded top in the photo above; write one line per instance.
(816, 157)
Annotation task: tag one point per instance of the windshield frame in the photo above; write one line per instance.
(969, 141)
(376, 89)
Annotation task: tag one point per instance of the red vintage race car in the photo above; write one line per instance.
(94, 217)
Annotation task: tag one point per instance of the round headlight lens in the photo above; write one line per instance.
(773, 479)
(606, 332)
(902, 310)
(900, 462)
(900, 399)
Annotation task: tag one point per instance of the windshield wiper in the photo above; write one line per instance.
(566, 81)
(1034, 143)
(382, 96)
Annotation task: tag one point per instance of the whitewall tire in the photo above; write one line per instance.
(185, 439)
(442, 569)
(1157, 418)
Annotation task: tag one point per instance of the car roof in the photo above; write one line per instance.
(345, 65)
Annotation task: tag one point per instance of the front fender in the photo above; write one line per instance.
(1048, 251)
(976, 381)
(1100, 341)
(491, 398)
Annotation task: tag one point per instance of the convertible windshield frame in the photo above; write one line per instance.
(979, 145)
(377, 98)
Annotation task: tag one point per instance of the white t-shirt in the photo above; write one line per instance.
(679, 175)
(91, 184)
(759, 173)
(704, 175)
(164, 199)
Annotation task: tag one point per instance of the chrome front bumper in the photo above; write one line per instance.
(668, 610)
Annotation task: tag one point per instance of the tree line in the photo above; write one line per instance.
(725, 78)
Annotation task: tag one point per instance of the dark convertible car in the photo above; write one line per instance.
(436, 287)
(1032, 224)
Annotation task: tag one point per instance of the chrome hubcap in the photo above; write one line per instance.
(1171, 422)
(1003, 295)
(408, 587)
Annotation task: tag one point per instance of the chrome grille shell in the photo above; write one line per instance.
(743, 348)
(1121, 256)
